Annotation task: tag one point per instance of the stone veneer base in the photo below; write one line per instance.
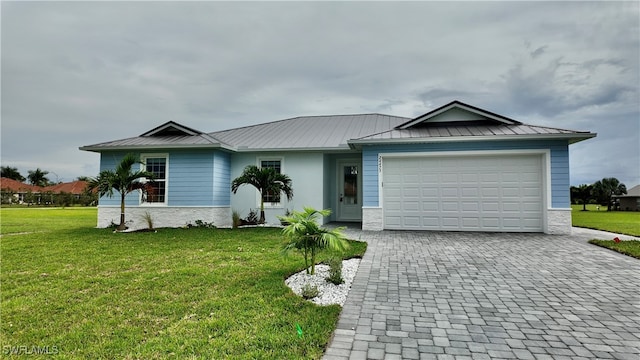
(164, 216)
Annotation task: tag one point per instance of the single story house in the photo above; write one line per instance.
(455, 168)
(17, 192)
(631, 200)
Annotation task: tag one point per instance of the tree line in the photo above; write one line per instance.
(37, 177)
(601, 192)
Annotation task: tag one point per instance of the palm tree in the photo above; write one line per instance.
(38, 177)
(267, 181)
(584, 193)
(11, 173)
(123, 180)
(606, 188)
(304, 233)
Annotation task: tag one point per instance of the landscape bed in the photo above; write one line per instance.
(200, 293)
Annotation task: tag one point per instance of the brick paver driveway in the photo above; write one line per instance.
(434, 295)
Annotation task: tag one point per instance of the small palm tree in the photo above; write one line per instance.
(303, 233)
(122, 180)
(266, 181)
(583, 193)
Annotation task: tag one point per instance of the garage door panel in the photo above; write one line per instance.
(470, 192)
(449, 206)
(411, 221)
(450, 222)
(470, 222)
(470, 206)
(430, 206)
(479, 193)
(409, 206)
(431, 221)
(429, 193)
(449, 192)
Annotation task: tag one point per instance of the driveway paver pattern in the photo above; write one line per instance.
(438, 295)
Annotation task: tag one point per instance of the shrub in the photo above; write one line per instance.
(148, 219)
(237, 221)
(204, 224)
(310, 291)
(335, 271)
(252, 218)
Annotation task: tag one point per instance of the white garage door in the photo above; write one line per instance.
(471, 193)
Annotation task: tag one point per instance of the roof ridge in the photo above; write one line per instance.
(300, 117)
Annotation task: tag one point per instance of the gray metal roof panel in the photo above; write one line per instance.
(467, 131)
(202, 140)
(333, 132)
(317, 132)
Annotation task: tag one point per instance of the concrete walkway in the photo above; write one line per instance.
(437, 295)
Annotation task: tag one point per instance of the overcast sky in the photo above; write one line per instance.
(79, 73)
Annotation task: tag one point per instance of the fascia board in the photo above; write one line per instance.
(156, 147)
(573, 138)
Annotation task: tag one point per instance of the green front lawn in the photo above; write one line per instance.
(177, 293)
(620, 222)
(629, 247)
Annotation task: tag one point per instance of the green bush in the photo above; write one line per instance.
(335, 271)
(310, 291)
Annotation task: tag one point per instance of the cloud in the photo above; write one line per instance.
(77, 73)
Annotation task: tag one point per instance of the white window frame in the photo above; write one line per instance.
(143, 166)
(271, 205)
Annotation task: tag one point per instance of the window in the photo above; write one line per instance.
(276, 164)
(157, 165)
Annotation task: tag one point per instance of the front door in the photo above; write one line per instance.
(349, 192)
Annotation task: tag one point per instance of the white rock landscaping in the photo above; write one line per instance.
(328, 293)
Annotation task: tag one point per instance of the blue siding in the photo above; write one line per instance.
(190, 178)
(559, 163)
(196, 178)
(221, 179)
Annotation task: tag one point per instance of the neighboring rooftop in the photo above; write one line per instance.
(633, 192)
(75, 187)
(17, 186)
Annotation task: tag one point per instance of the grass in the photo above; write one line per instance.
(177, 293)
(629, 247)
(28, 219)
(620, 222)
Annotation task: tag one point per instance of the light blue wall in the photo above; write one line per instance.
(307, 177)
(559, 163)
(221, 178)
(190, 178)
(196, 178)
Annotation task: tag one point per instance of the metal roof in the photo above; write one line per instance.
(164, 142)
(343, 132)
(308, 132)
(471, 132)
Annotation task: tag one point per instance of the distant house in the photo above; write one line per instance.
(14, 191)
(76, 188)
(630, 201)
(455, 168)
